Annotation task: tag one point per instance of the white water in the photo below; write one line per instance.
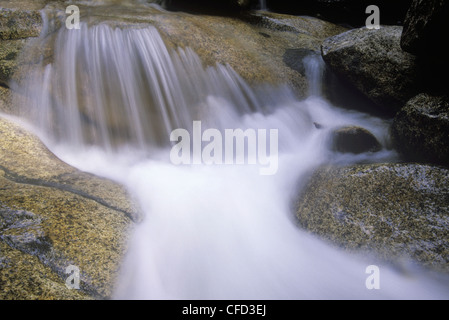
(208, 232)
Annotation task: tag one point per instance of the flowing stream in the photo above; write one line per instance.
(108, 103)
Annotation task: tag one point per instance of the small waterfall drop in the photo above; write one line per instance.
(209, 232)
(314, 69)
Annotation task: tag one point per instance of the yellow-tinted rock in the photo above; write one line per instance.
(5, 99)
(24, 277)
(56, 216)
(26, 159)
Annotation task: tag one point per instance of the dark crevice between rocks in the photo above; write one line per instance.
(41, 183)
(434, 75)
(218, 7)
(349, 13)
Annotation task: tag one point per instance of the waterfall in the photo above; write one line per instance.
(107, 104)
(314, 68)
(108, 84)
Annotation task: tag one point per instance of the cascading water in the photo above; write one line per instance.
(107, 104)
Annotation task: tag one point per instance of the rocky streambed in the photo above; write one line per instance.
(53, 215)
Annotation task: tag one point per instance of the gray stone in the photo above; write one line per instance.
(397, 211)
(373, 61)
(420, 131)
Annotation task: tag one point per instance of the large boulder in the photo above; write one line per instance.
(396, 211)
(53, 216)
(425, 23)
(373, 61)
(420, 131)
